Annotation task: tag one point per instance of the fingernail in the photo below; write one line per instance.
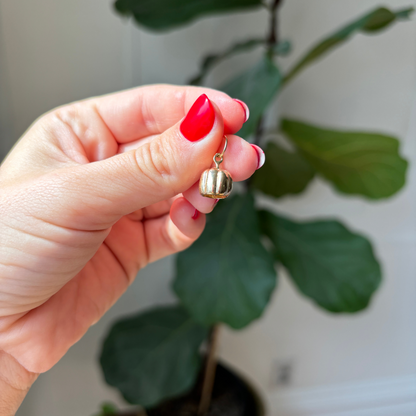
(196, 214)
(261, 157)
(216, 202)
(199, 120)
(245, 107)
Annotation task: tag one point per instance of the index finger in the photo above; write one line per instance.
(144, 111)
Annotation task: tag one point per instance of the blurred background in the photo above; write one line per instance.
(303, 360)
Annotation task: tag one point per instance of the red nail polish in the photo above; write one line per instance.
(216, 202)
(261, 157)
(245, 108)
(199, 120)
(196, 214)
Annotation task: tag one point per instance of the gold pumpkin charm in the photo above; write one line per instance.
(216, 183)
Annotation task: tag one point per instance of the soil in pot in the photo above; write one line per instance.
(230, 397)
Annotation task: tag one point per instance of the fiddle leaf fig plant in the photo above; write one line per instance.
(229, 274)
(325, 260)
(360, 163)
(154, 353)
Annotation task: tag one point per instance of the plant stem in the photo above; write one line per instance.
(259, 131)
(257, 139)
(273, 37)
(209, 372)
(272, 40)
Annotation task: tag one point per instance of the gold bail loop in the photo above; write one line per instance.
(220, 156)
(219, 161)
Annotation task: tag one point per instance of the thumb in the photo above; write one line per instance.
(99, 193)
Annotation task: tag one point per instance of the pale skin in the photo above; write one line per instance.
(92, 193)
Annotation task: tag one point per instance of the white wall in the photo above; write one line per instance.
(53, 52)
(6, 133)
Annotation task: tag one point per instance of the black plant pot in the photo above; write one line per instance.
(231, 396)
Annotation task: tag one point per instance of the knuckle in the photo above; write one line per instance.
(68, 115)
(81, 118)
(155, 162)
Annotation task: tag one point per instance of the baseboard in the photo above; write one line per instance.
(382, 397)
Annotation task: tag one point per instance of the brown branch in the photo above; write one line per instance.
(273, 37)
(209, 375)
(257, 139)
(259, 131)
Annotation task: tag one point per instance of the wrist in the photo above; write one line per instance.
(15, 382)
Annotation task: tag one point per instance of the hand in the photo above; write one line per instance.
(92, 193)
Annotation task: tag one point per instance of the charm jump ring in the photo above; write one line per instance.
(220, 156)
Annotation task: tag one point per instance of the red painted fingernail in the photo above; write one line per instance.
(196, 214)
(245, 108)
(261, 157)
(199, 120)
(216, 202)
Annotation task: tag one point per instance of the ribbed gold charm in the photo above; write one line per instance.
(216, 183)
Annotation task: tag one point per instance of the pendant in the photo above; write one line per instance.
(216, 183)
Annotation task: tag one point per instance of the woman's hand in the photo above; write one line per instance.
(92, 193)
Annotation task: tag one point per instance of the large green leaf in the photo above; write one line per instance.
(167, 14)
(327, 262)
(375, 20)
(360, 163)
(257, 88)
(153, 356)
(284, 173)
(227, 275)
